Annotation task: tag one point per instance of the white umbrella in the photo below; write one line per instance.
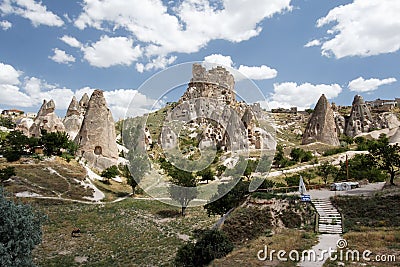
(302, 187)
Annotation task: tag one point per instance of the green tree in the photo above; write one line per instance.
(20, 232)
(212, 244)
(6, 173)
(183, 188)
(7, 122)
(300, 155)
(207, 174)
(232, 195)
(326, 170)
(110, 172)
(55, 141)
(139, 165)
(14, 146)
(387, 157)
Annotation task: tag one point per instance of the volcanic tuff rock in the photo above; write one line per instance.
(97, 138)
(73, 119)
(47, 120)
(83, 103)
(395, 139)
(360, 120)
(24, 125)
(209, 103)
(321, 126)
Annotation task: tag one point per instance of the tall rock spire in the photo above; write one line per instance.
(321, 127)
(47, 120)
(73, 119)
(360, 119)
(97, 138)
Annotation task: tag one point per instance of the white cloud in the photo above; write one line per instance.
(262, 72)
(362, 85)
(110, 51)
(31, 91)
(181, 27)
(362, 28)
(5, 25)
(156, 63)
(302, 96)
(37, 13)
(258, 73)
(61, 57)
(71, 41)
(312, 43)
(9, 75)
(225, 61)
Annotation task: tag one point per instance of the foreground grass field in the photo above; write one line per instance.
(128, 233)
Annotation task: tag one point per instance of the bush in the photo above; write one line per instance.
(110, 172)
(212, 244)
(334, 151)
(20, 232)
(6, 173)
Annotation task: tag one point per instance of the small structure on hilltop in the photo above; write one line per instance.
(360, 120)
(321, 126)
(96, 137)
(74, 117)
(47, 120)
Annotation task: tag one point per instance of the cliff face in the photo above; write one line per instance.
(96, 137)
(321, 126)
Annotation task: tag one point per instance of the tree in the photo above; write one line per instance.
(110, 172)
(212, 244)
(232, 195)
(15, 145)
(207, 174)
(20, 232)
(300, 155)
(183, 188)
(6, 173)
(326, 170)
(387, 157)
(55, 141)
(139, 165)
(7, 122)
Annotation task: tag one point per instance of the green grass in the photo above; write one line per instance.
(128, 233)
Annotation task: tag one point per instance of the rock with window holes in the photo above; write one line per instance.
(321, 126)
(360, 120)
(47, 120)
(97, 138)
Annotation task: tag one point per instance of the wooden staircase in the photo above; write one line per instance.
(330, 220)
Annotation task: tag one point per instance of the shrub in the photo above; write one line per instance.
(212, 244)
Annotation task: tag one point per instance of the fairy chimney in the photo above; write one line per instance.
(97, 138)
(73, 119)
(46, 120)
(321, 127)
(360, 120)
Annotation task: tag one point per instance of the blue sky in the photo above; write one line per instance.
(293, 50)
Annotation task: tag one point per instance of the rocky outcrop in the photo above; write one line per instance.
(360, 120)
(321, 126)
(24, 125)
(83, 103)
(209, 103)
(47, 120)
(96, 137)
(395, 139)
(73, 119)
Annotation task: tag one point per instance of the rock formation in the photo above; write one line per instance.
(24, 125)
(395, 139)
(209, 103)
(47, 120)
(360, 120)
(83, 103)
(321, 126)
(96, 137)
(73, 119)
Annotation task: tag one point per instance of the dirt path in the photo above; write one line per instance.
(326, 243)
